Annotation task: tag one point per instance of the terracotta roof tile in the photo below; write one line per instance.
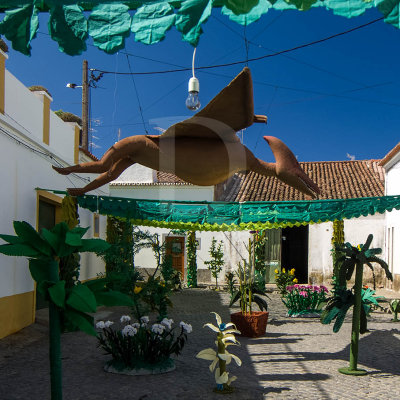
(88, 153)
(336, 179)
(166, 177)
(390, 155)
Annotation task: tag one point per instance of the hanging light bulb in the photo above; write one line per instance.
(192, 101)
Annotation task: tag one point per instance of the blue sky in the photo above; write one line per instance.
(328, 101)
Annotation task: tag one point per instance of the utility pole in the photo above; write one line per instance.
(85, 106)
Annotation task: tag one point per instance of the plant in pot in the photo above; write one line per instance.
(250, 323)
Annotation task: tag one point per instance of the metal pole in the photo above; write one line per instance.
(85, 106)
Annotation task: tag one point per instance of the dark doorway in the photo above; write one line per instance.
(295, 251)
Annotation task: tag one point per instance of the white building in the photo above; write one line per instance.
(391, 163)
(32, 139)
(305, 248)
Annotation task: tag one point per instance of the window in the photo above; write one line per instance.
(96, 225)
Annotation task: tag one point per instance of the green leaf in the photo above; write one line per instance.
(82, 299)
(80, 320)
(383, 265)
(40, 269)
(79, 231)
(19, 250)
(30, 236)
(57, 294)
(20, 26)
(391, 11)
(262, 304)
(151, 22)
(42, 287)
(240, 6)
(53, 240)
(302, 5)
(190, 17)
(109, 25)
(11, 239)
(246, 18)
(73, 239)
(368, 242)
(95, 245)
(113, 298)
(96, 285)
(235, 298)
(68, 26)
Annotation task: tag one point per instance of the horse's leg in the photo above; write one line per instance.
(113, 173)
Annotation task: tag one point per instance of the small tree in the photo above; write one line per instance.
(191, 260)
(353, 259)
(217, 259)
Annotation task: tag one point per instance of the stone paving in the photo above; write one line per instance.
(298, 358)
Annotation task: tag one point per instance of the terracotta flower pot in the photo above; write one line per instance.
(253, 325)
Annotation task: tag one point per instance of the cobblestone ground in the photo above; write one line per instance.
(296, 359)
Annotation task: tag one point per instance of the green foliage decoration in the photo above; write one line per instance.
(249, 292)
(231, 281)
(73, 303)
(337, 239)
(283, 279)
(191, 247)
(216, 262)
(353, 260)
(395, 309)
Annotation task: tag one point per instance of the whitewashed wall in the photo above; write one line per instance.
(24, 170)
(393, 218)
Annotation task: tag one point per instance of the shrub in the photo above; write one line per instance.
(141, 345)
(304, 299)
(283, 279)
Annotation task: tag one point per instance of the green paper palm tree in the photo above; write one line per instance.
(352, 259)
(44, 252)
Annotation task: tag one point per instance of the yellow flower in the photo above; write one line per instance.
(295, 280)
(276, 271)
(359, 247)
(137, 289)
(162, 283)
(291, 272)
(283, 270)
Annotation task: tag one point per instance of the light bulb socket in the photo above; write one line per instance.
(194, 85)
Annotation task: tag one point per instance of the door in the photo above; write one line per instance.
(295, 251)
(272, 253)
(175, 247)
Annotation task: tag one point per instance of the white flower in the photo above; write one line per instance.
(167, 322)
(125, 318)
(136, 325)
(107, 324)
(186, 327)
(129, 330)
(100, 325)
(158, 328)
(145, 320)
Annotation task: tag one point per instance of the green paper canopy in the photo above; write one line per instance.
(221, 216)
(110, 22)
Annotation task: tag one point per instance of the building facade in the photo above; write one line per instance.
(32, 139)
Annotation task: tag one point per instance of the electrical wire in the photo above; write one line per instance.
(277, 53)
(39, 152)
(194, 56)
(137, 95)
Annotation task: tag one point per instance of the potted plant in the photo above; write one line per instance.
(250, 323)
(141, 348)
